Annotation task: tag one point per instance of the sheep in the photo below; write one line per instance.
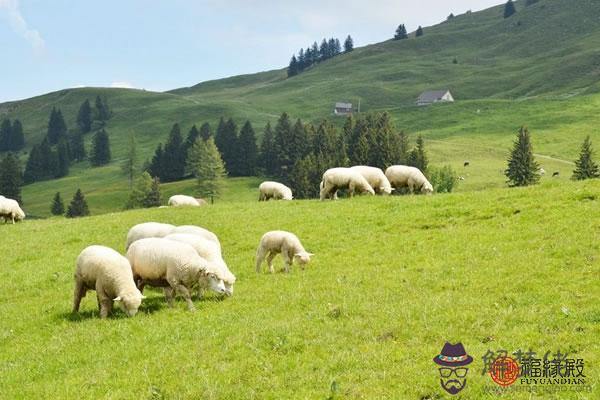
(274, 190)
(338, 178)
(402, 175)
(466, 164)
(173, 265)
(10, 210)
(542, 171)
(286, 243)
(107, 272)
(211, 252)
(148, 230)
(196, 230)
(555, 174)
(376, 178)
(180, 200)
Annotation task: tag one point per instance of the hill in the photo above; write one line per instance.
(392, 280)
(538, 67)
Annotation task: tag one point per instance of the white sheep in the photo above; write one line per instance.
(211, 252)
(196, 230)
(173, 265)
(274, 190)
(180, 200)
(342, 178)
(148, 230)
(10, 210)
(376, 178)
(107, 272)
(411, 177)
(286, 243)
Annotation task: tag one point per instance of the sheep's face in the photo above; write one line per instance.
(427, 188)
(386, 189)
(228, 288)
(130, 303)
(215, 284)
(303, 258)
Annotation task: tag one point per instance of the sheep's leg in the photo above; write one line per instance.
(270, 258)
(186, 295)
(288, 259)
(260, 256)
(78, 295)
(170, 296)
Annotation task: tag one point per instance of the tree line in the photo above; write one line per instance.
(11, 135)
(315, 54)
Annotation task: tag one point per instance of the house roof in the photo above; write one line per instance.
(431, 96)
(343, 105)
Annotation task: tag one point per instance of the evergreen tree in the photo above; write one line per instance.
(57, 207)
(143, 194)
(400, 149)
(509, 9)
(358, 144)
(585, 167)
(248, 151)
(293, 67)
(78, 206)
(11, 177)
(173, 157)
(324, 50)
(57, 128)
(401, 33)
(129, 166)
(49, 160)
(5, 135)
(451, 16)
(348, 44)
(418, 157)
(100, 153)
(419, 31)
(153, 198)
(205, 132)
(208, 168)
(301, 60)
(301, 178)
(331, 48)
(226, 140)
(156, 165)
(382, 142)
(34, 166)
(84, 117)
(102, 110)
(522, 168)
(193, 134)
(77, 146)
(337, 47)
(17, 136)
(267, 151)
(281, 148)
(63, 159)
(314, 51)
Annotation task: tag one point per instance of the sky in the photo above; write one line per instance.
(166, 44)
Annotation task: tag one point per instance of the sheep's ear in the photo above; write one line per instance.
(117, 298)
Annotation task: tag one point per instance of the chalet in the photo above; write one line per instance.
(343, 109)
(435, 96)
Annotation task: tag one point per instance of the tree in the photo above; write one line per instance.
(11, 177)
(57, 207)
(63, 159)
(267, 151)
(84, 117)
(443, 179)
(145, 193)
(293, 67)
(348, 44)
(301, 60)
(451, 16)
(324, 50)
(34, 166)
(208, 168)
(226, 140)
(49, 160)
(193, 134)
(301, 178)
(77, 146)
(153, 198)
(522, 168)
(337, 47)
(156, 165)
(173, 157)
(418, 157)
(530, 2)
(419, 31)
(401, 32)
(57, 128)
(102, 110)
(281, 149)
(5, 135)
(129, 166)
(78, 206)
(17, 136)
(100, 153)
(509, 9)
(247, 162)
(585, 167)
(205, 132)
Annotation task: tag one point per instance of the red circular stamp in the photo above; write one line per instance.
(504, 371)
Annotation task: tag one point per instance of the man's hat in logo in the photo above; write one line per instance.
(453, 355)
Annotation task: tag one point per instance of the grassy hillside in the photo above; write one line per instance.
(539, 68)
(392, 280)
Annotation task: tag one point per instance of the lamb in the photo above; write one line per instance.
(147, 230)
(286, 243)
(198, 231)
(173, 265)
(402, 176)
(107, 272)
(10, 210)
(274, 190)
(211, 252)
(376, 178)
(180, 200)
(338, 178)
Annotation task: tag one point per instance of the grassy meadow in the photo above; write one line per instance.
(393, 278)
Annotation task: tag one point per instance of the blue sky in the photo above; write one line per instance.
(166, 44)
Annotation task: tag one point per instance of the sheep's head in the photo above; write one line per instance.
(369, 190)
(130, 302)
(427, 188)
(212, 282)
(303, 257)
(386, 189)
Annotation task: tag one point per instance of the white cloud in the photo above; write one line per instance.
(122, 85)
(10, 10)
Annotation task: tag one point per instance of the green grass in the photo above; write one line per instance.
(392, 279)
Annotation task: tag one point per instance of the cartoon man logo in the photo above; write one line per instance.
(452, 361)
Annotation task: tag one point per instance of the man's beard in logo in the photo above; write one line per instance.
(453, 386)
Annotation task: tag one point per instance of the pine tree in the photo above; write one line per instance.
(77, 146)
(78, 206)
(418, 157)
(293, 67)
(144, 193)
(301, 60)
(522, 168)
(337, 47)
(102, 110)
(324, 50)
(34, 166)
(5, 135)
(451, 16)
(208, 168)
(129, 166)
(205, 132)
(303, 185)
(248, 151)
(49, 160)
(281, 148)
(57, 207)
(227, 144)
(156, 165)
(57, 128)
(331, 47)
(509, 9)
(11, 177)
(267, 151)
(358, 143)
(585, 167)
(17, 140)
(381, 141)
(400, 149)
(314, 51)
(401, 33)
(348, 44)
(63, 159)
(419, 31)
(100, 153)
(173, 157)
(84, 117)
(193, 134)
(153, 198)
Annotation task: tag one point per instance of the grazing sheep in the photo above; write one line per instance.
(274, 190)
(180, 200)
(340, 178)
(411, 177)
(107, 272)
(555, 174)
(173, 265)
(542, 171)
(466, 164)
(376, 178)
(196, 230)
(148, 230)
(286, 243)
(10, 210)
(211, 252)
